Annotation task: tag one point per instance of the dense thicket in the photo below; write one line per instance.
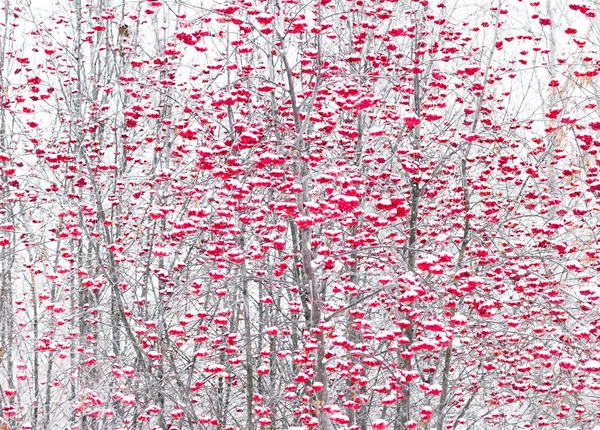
(289, 213)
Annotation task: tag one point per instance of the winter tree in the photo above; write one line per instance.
(277, 214)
